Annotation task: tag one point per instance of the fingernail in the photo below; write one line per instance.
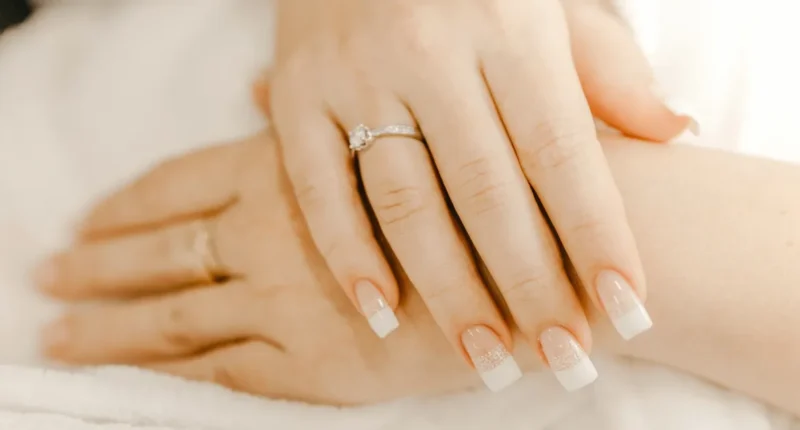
(678, 108)
(45, 274)
(495, 365)
(623, 305)
(55, 335)
(693, 126)
(379, 314)
(567, 359)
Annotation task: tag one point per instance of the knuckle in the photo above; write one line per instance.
(451, 286)
(400, 204)
(481, 187)
(553, 144)
(591, 229)
(439, 293)
(173, 328)
(528, 289)
(333, 250)
(310, 196)
(417, 32)
(589, 225)
(422, 45)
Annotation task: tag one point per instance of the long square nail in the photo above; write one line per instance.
(623, 305)
(495, 365)
(373, 305)
(567, 359)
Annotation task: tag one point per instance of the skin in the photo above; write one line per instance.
(720, 251)
(524, 120)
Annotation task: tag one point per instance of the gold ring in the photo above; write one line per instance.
(206, 253)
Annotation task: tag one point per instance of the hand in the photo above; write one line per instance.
(273, 322)
(494, 90)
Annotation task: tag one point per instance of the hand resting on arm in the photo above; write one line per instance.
(719, 235)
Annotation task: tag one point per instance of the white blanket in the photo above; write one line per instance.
(90, 94)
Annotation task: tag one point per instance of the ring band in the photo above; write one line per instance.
(362, 137)
(206, 253)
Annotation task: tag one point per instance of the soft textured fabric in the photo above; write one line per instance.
(92, 92)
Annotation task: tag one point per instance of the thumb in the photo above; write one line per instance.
(616, 76)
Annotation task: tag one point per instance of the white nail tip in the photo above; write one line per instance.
(383, 322)
(633, 323)
(503, 375)
(578, 376)
(623, 305)
(694, 126)
(567, 359)
(680, 110)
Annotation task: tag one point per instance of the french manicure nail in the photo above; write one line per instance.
(679, 109)
(693, 126)
(495, 365)
(567, 359)
(379, 314)
(623, 305)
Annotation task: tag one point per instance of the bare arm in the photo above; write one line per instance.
(719, 235)
(720, 238)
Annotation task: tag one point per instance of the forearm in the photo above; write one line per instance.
(720, 238)
(719, 235)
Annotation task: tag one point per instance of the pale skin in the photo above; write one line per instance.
(504, 92)
(720, 251)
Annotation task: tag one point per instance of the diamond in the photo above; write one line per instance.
(360, 137)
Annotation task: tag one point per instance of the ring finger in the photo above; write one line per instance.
(404, 193)
(146, 262)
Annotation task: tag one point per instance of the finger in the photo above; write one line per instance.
(499, 212)
(157, 328)
(322, 175)
(560, 155)
(153, 261)
(404, 193)
(617, 78)
(199, 183)
(261, 94)
(252, 366)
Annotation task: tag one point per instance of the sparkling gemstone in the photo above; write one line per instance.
(360, 137)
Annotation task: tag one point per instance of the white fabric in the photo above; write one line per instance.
(92, 92)
(728, 62)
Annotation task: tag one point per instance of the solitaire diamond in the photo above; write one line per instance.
(360, 137)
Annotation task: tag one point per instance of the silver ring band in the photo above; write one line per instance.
(362, 137)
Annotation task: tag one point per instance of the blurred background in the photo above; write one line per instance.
(735, 62)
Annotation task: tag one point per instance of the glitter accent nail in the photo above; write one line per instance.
(567, 359)
(495, 365)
